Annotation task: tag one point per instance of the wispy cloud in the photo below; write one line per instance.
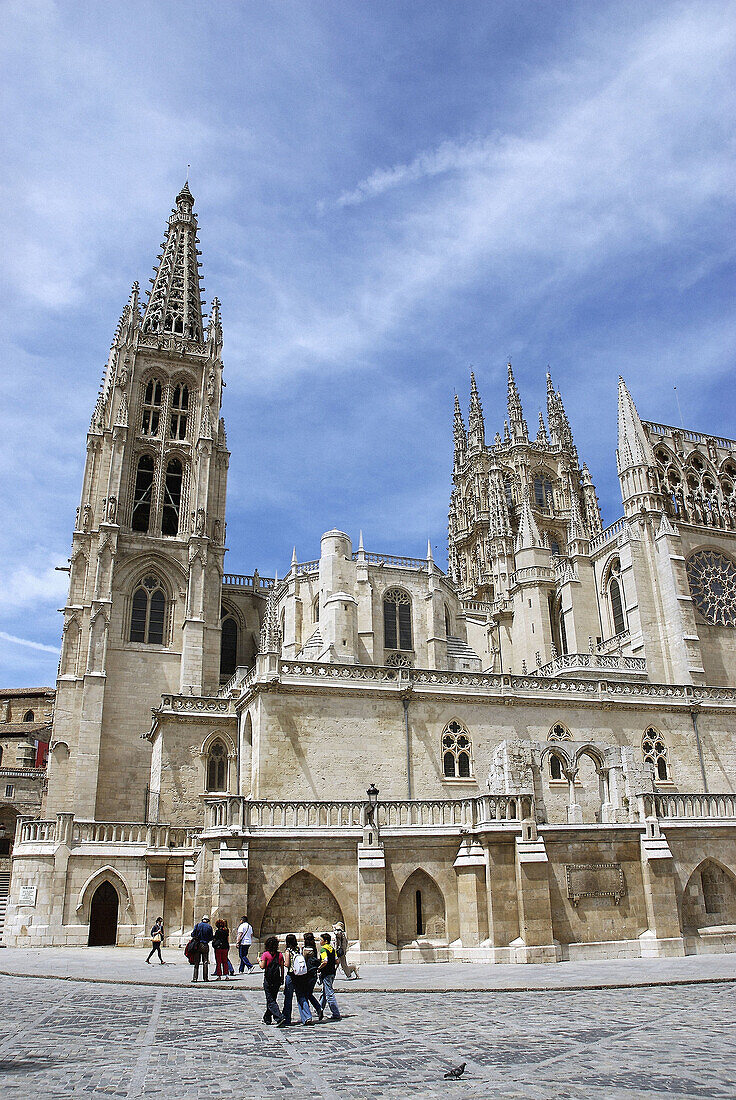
(27, 642)
(23, 587)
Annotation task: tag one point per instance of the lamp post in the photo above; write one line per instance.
(372, 793)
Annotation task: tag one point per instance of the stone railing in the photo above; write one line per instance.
(592, 661)
(614, 643)
(690, 807)
(532, 573)
(249, 581)
(476, 605)
(691, 437)
(325, 671)
(195, 704)
(306, 567)
(128, 833)
(29, 831)
(419, 813)
(395, 560)
(608, 534)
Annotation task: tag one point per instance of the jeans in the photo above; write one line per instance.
(221, 959)
(304, 989)
(203, 956)
(243, 949)
(272, 1006)
(328, 994)
(288, 996)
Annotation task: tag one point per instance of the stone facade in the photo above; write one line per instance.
(530, 758)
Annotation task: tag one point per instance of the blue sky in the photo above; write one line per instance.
(387, 194)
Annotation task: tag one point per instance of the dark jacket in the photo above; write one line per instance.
(220, 940)
(203, 932)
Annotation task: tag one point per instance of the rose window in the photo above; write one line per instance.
(712, 578)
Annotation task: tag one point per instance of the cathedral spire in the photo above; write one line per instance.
(214, 329)
(634, 448)
(270, 632)
(477, 431)
(460, 435)
(542, 433)
(519, 431)
(553, 412)
(175, 302)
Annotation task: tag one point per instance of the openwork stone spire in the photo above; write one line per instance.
(175, 304)
(528, 533)
(477, 430)
(517, 422)
(460, 435)
(270, 632)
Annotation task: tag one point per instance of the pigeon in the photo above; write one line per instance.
(458, 1071)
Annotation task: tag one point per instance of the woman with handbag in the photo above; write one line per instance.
(157, 938)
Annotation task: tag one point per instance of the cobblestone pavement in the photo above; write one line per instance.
(70, 1039)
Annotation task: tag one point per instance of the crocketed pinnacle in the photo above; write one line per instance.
(634, 449)
(459, 433)
(542, 433)
(270, 633)
(528, 533)
(476, 425)
(517, 422)
(175, 303)
(214, 328)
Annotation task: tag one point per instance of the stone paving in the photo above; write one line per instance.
(64, 1039)
(127, 964)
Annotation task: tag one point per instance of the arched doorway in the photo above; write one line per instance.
(421, 909)
(301, 904)
(710, 898)
(103, 916)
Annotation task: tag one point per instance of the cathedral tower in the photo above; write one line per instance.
(143, 612)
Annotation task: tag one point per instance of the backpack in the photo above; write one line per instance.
(272, 973)
(312, 960)
(300, 965)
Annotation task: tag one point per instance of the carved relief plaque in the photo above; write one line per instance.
(594, 880)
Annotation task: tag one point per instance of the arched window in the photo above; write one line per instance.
(228, 646)
(542, 491)
(142, 494)
(217, 767)
(457, 752)
(172, 498)
(396, 620)
(616, 597)
(28, 716)
(448, 624)
(654, 752)
(148, 612)
(151, 408)
(315, 609)
(420, 918)
(558, 732)
(179, 411)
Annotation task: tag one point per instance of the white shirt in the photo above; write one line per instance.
(245, 934)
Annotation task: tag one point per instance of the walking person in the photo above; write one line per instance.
(290, 955)
(341, 950)
(157, 938)
(221, 947)
(305, 982)
(202, 935)
(271, 962)
(327, 969)
(243, 940)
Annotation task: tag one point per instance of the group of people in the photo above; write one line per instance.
(297, 970)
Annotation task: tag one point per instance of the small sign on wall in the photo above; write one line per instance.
(27, 895)
(594, 880)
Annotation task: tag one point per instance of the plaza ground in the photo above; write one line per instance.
(76, 1037)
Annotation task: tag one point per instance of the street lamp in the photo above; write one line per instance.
(372, 793)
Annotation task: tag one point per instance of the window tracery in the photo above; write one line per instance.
(398, 660)
(151, 408)
(179, 411)
(143, 494)
(712, 579)
(397, 620)
(217, 767)
(558, 732)
(456, 752)
(616, 597)
(228, 646)
(148, 612)
(654, 752)
(172, 498)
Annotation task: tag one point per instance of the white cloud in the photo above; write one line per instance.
(26, 642)
(24, 587)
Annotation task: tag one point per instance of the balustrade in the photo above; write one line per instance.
(688, 807)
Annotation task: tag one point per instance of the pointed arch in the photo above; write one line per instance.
(709, 898)
(422, 913)
(303, 902)
(397, 620)
(84, 896)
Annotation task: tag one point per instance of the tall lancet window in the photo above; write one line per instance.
(179, 411)
(615, 595)
(396, 620)
(142, 494)
(148, 612)
(172, 498)
(151, 408)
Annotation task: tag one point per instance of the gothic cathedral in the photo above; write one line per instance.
(527, 759)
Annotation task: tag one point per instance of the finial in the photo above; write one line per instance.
(294, 559)
(429, 550)
(361, 548)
